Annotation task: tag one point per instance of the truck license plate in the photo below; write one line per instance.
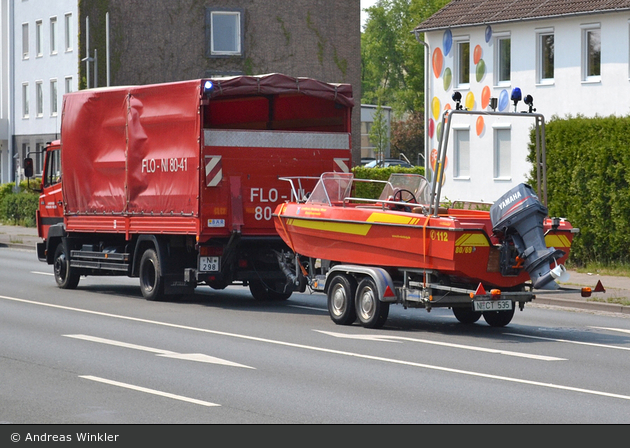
(209, 264)
(492, 305)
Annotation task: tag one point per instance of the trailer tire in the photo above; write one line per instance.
(263, 293)
(465, 315)
(151, 281)
(371, 311)
(65, 276)
(498, 318)
(341, 306)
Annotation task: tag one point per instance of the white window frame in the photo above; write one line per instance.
(541, 34)
(68, 84)
(68, 32)
(25, 103)
(54, 104)
(499, 150)
(53, 35)
(461, 153)
(457, 62)
(39, 38)
(587, 29)
(25, 41)
(39, 99)
(238, 39)
(498, 60)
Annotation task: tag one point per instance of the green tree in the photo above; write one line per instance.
(379, 134)
(391, 57)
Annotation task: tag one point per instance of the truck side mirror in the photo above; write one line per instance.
(28, 167)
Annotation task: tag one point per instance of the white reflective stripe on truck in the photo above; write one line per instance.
(214, 171)
(276, 139)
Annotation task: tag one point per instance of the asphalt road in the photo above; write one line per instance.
(101, 354)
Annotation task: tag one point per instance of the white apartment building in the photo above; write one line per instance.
(572, 57)
(39, 62)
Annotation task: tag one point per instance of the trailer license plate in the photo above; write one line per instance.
(492, 305)
(209, 264)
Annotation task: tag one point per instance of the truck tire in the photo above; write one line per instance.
(465, 315)
(261, 292)
(498, 318)
(341, 292)
(151, 281)
(65, 276)
(372, 313)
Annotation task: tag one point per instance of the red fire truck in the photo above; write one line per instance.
(176, 183)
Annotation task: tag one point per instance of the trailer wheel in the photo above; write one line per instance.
(65, 276)
(466, 315)
(151, 282)
(341, 305)
(263, 293)
(372, 313)
(498, 318)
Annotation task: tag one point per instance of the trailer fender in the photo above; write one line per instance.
(381, 278)
(144, 242)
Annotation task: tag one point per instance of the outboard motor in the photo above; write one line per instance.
(519, 216)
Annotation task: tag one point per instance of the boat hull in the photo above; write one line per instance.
(459, 244)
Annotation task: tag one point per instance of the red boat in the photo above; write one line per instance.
(403, 247)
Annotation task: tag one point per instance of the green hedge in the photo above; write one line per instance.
(588, 182)
(367, 190)
(19, 208)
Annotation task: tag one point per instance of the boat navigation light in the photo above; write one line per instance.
(457, 97)
(529, 100)
(516, 96)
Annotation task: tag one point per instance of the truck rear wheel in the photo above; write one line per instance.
(260, 291)
(372, 313)
(498, 318)
(151, 281)
(341, 305)
(465, 315)
(65, 276)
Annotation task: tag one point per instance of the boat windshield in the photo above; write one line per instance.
(405, 182)
(332, 188)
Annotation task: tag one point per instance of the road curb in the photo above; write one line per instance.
(583, 304)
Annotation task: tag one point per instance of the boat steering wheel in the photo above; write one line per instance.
(403, 195)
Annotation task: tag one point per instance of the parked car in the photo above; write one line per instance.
(388, 162)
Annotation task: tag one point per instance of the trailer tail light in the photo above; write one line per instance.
(586, 292)
(242, 263)
(495, 294)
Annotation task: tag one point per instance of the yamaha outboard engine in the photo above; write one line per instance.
(519, 216)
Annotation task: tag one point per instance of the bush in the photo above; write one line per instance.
(18, 208)
(372, 191)
(588, 182)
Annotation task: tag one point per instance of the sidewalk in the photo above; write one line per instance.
(616, 287)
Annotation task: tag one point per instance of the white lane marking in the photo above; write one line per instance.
(592, 344)
(148, 391)
(327, 350)
(42, 273)
(623, 330)
(387, 338)
(200, 357)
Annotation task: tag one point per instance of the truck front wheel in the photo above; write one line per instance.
(151, 281)
(65, 276)
(372, 313)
